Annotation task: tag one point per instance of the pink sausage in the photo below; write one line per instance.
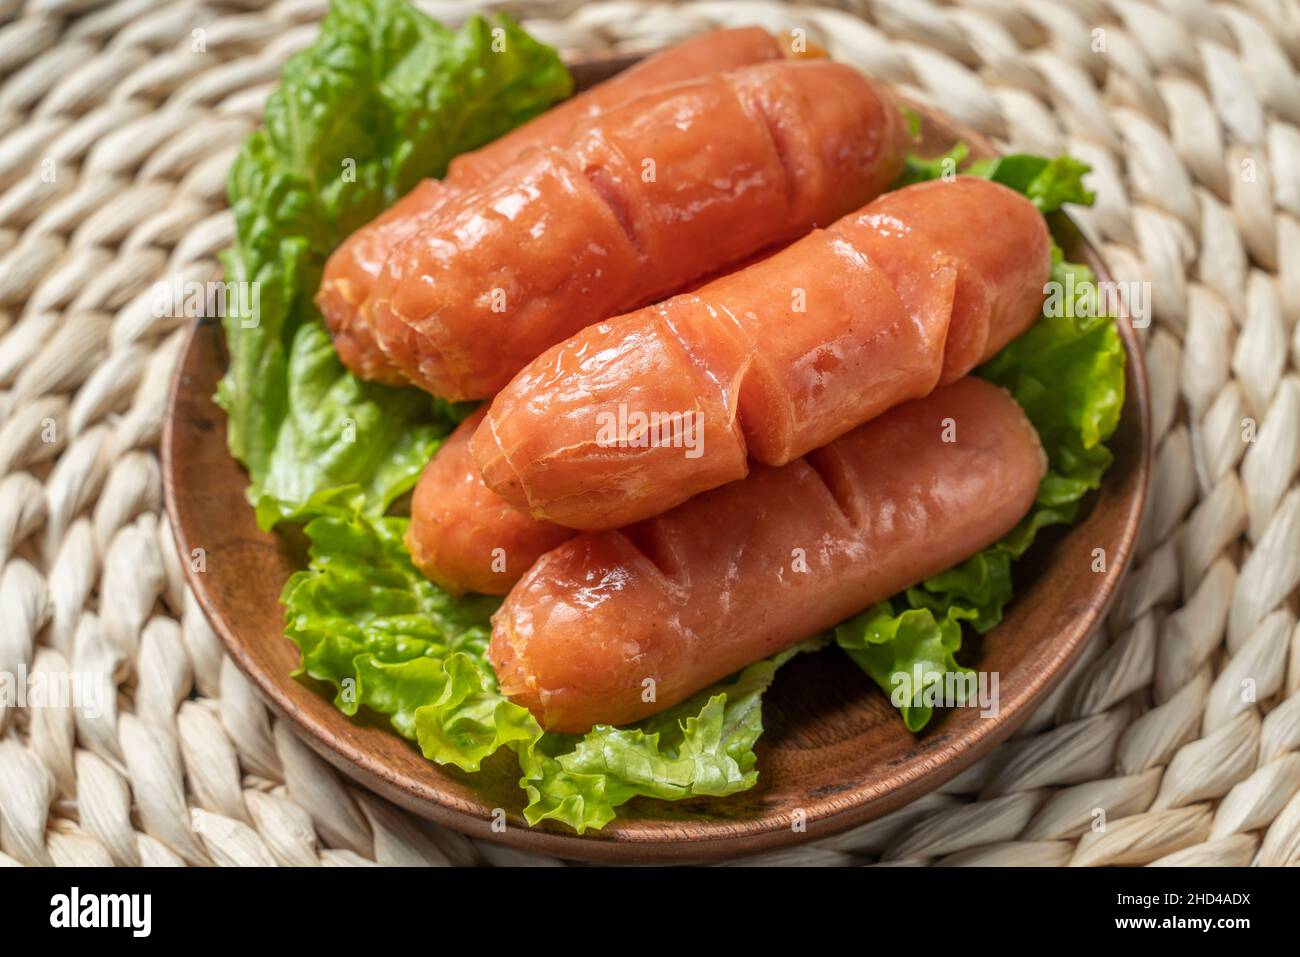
(682, 600)
(350, 272)
(463, 536)
(770, 362)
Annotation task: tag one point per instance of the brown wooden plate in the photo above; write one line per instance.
(834, 748)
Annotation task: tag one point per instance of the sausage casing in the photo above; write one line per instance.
(682, 600)
(465, 537)
(655, 194)
(769, 362)
(350, 272)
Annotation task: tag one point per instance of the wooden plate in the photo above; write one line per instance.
(834, 748)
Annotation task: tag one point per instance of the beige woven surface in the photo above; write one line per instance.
(1181, 723)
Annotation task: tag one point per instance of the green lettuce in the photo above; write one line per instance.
(1047, 183)
(918, 169)
(384, 97)
(905, 651)
(367, 622)
(1067, 373)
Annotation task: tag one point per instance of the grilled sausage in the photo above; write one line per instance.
(350, 272)
(635, 415)
(656, 193)
(465, 537)
(682, 600)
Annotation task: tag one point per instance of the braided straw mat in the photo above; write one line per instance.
(1181, 722)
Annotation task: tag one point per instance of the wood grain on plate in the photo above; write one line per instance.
(834, 753)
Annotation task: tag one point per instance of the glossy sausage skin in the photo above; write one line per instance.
(697, 593)
(911, 291)
(350, 272)
(657, 193)
(465, 537)
(714, 52)
(349, 275)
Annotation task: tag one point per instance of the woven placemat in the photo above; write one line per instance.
(1176, 738)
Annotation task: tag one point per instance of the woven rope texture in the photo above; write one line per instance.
(1181, 722)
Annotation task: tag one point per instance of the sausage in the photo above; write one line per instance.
(682, 600)
(463, 536)
(635, 415)
(658, 192)
(717, 51)
(350, 272)
(343, 297)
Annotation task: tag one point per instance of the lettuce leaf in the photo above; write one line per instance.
(362, 596)
(905, 651)
(1048, 183)
(367, 622)
(703, 746)
(385, 96)
(1067, 373)
(918, 169)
